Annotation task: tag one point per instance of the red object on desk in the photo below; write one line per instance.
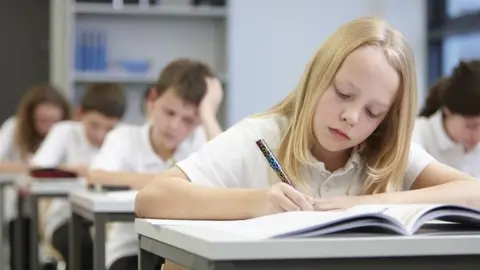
(52, 173)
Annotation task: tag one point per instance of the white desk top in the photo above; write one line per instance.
(111, 201)
(55, 186)
(214, 244)
(9, 177)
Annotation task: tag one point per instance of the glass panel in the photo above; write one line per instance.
(461, 47)
(456, 8)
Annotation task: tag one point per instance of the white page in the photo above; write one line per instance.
(406, 214)
(279, 224)
(263, 227)
(124, 195)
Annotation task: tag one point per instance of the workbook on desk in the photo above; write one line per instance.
(391, 219)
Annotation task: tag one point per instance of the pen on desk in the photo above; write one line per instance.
(273, 162)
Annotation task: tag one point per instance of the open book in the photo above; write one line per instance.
(401, 219)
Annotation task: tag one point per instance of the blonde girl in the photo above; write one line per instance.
(343, 137)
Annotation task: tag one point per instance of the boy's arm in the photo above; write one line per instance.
(124, 179)
(112, 166)
(52, 151)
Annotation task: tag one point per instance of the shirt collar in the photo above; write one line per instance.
(443, 140)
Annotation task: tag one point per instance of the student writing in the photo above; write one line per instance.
(178, 126)
(39, 109)
(342, 136)
(449, 125)
(72, 145)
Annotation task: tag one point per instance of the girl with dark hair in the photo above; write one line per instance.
(449, 124)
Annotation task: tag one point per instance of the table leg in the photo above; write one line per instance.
(2, 228)
(74, 241)
(18, 235)
(99, 223)
(146, 260)
(34, 237)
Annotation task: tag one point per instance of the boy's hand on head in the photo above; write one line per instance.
(212, 99)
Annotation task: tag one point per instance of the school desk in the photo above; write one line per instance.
(203, 248)
(5, 181)
(41, 189)
(99, 208)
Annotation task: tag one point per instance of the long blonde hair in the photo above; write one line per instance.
(386, 153)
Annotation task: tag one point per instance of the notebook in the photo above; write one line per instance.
(398, 219)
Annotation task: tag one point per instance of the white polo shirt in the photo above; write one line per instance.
(9, 153)
(232, 160)
(431, 135)
(65, 144)
(129, 149)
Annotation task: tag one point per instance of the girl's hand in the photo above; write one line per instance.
(339, 203)
(283, 198)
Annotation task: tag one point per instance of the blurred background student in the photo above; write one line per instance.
(449, 124)
(72, 145)
(20, 136)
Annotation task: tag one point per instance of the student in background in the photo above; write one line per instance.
(449, 126)
(72, 145)
(343, 138)
(39, 109)
(185, 102)
(20, 136)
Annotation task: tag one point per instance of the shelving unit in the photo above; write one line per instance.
(159, 10)
(158, 33)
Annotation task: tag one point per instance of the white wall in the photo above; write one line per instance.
(270, 42)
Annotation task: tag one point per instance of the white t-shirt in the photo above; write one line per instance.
(431, 135)
(8, 150)
(9, 153)
(65, 144)
(233, 160)
(129, 149)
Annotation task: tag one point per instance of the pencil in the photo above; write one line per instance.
(273, 161)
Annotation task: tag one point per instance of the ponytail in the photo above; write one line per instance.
(435, 98)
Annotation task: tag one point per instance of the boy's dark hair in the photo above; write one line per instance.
(434, 99)
(26, 137)
(105, 98)
(462, 93)
(186, 77)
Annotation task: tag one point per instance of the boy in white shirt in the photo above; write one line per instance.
(449, 124)
(72, 145)
(184, 103)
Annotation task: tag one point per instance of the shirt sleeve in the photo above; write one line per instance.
(199, 139)
(53, 150)
(225, 160)
(419, 132)
(113, 153)
(7, 134)
(418, 159)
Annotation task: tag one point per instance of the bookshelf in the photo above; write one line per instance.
(156, 33)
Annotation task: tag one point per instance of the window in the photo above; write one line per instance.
(459, 8)
(461, 47)
(453, 34)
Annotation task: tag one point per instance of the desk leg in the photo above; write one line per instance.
(18, 235)
(146, 260)
(99, 223)
(34, 238)
(2, 229)
(74, 242)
